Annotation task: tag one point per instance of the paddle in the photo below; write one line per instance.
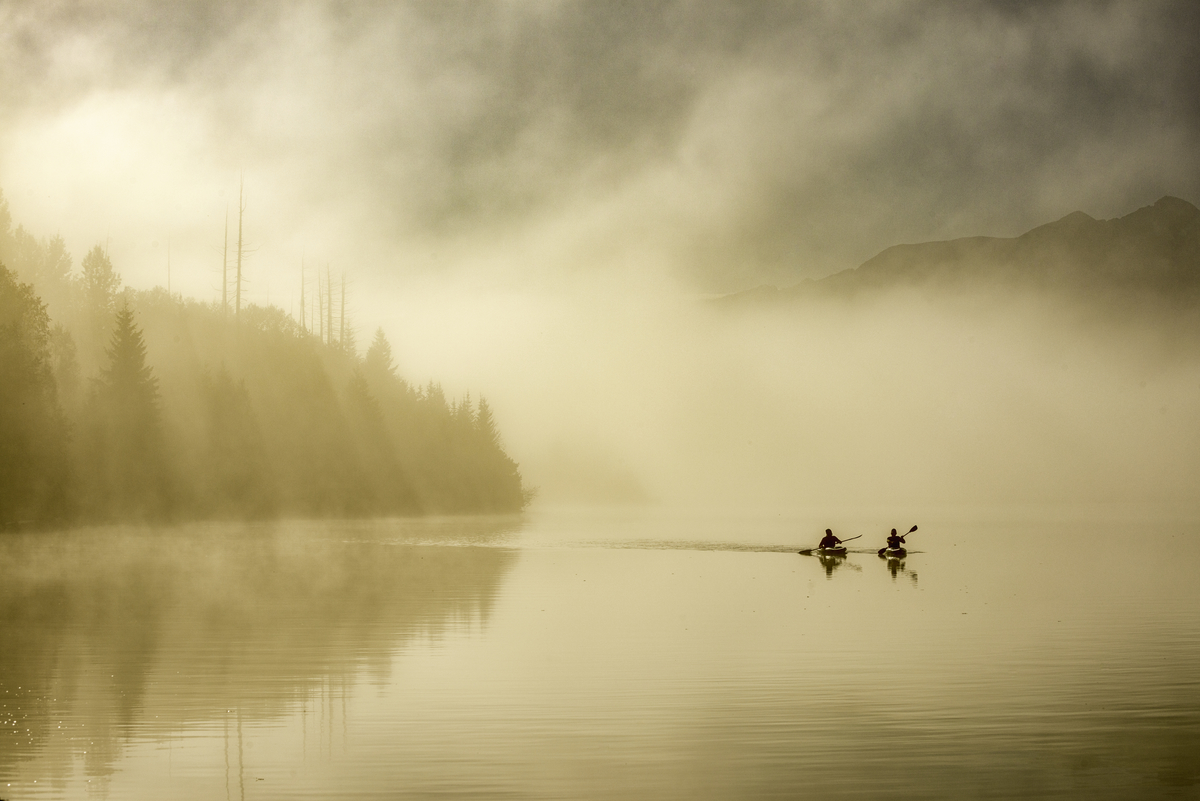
(910, 531)
(808, 551)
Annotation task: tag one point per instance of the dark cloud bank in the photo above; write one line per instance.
(736, 142)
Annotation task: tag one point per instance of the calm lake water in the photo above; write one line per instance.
(579, 655)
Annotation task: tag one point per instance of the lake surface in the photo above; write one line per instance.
(603, 654)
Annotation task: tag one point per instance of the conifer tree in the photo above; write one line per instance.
(66, 367)
(6, 238)
(464, 415)
(128, 378)
(237, 477)
(45, 264)
(53, 276)
(379, 355)
(33, 432)
(485, 425)
(127, 452)
(99, 283)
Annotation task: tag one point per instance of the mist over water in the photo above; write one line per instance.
(906, 399)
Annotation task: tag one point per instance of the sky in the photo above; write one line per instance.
(477, 168)
(723, 144)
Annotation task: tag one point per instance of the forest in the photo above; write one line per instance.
(120, 405)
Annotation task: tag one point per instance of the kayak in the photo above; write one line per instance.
(839, 550)
(893, 553)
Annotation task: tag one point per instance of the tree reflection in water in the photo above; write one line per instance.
(112, 630)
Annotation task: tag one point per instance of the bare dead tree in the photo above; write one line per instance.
(225, 268)
(303, 327)
(329, 304)
(237, 309)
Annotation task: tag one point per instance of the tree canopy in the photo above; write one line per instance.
(128, 405)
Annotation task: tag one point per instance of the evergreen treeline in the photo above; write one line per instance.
(124, 405)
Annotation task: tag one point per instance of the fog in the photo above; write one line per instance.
(904, 401)
(537, 201)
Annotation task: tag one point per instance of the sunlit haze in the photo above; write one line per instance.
(537, 201)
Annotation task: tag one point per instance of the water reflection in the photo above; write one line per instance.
(108, 631)
(896, 565)
(830, 563)
(366, 660)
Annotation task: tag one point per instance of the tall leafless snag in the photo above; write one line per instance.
(237, 309)
(329, 306)
(225, 268)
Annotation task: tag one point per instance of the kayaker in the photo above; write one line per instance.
(894, 540)
(830, 541)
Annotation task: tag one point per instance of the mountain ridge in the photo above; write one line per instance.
(1153, 250)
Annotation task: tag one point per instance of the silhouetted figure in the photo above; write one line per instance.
(829, 541)
(895, 545)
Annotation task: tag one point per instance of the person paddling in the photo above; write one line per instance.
(895, 540)
(830, 541)
(895, 543)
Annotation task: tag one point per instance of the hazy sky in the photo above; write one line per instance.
(528, 195)
(725, 143)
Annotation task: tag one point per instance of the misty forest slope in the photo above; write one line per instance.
(119, 405)
(1151, 254)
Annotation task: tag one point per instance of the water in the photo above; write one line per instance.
(647, 654)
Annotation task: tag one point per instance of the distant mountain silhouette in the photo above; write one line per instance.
(1155, 250)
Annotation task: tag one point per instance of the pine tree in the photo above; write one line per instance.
(379, 355)
(98, 286)
(128, 459)
(386, 486)
(45, 264)
(485, 425)
(464, 415)
(66, 367)
(99, 283)
(33, 439)
(128, 378)
(236, 479)
(6, 237)
(53, 277)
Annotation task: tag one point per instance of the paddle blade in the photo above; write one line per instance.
(911, 530)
